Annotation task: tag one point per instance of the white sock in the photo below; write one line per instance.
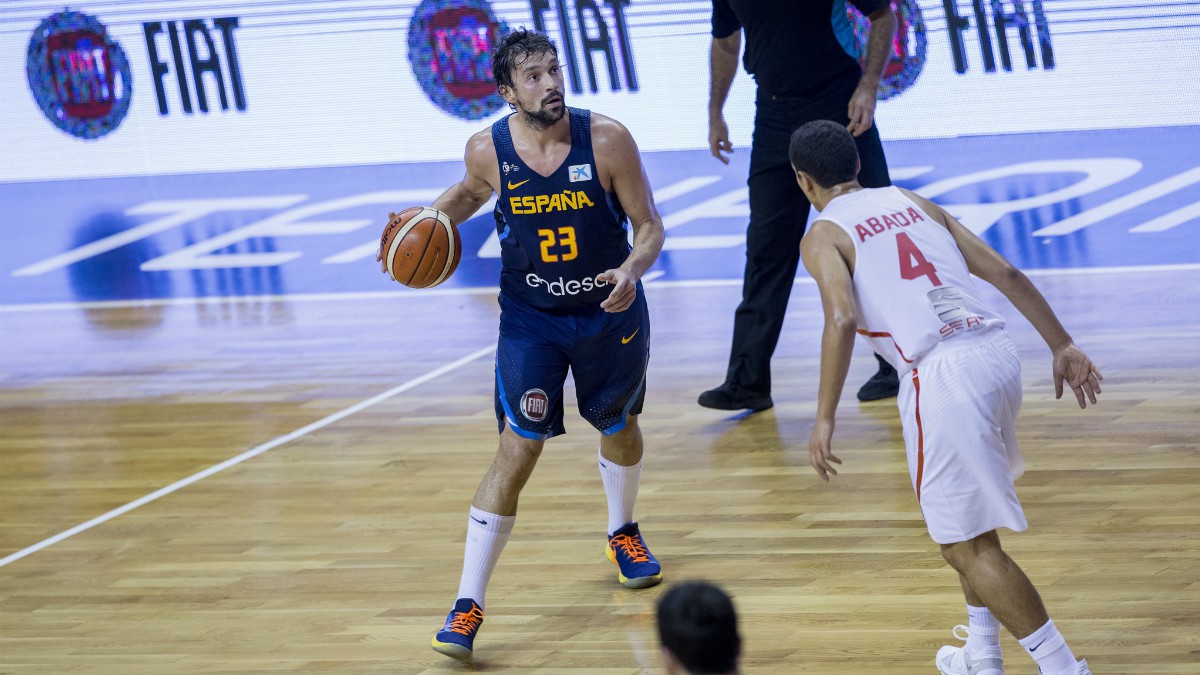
(983, 641)
(1047, 646)
(621, 488)
(487, 533)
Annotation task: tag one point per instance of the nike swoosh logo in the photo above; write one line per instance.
(1034, 649)
(514, 186)
(481, 522)
(625, 340)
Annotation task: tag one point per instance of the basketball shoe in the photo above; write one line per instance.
(637, 566)
(456, 639)
(956, 660)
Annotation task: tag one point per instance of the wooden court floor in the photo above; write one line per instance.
(338, 548)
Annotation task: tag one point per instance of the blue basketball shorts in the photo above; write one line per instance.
(606, 354)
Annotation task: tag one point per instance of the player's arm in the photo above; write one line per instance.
(828, 267)
(464, 198)
(722, 68)
(617, 152)
(1071, 364)
(879, 49)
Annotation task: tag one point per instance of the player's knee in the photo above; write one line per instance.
(518, 451)
(624, 443)
(956, 555)
(961, 555)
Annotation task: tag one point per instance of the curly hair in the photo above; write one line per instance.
(514, 50)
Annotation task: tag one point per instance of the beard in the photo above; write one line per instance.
(542, 118)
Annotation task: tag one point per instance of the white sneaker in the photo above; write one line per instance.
(956, 660)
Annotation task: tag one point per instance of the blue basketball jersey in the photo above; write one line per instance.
(557, 232)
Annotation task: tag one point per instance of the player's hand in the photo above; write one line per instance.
(1074, 367)
(379, 253)
(718, 138)
(862, 109)
(820, 455)
(624, 290)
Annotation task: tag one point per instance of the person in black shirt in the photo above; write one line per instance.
(803, 57)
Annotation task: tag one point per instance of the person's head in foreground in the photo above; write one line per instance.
(697, 626)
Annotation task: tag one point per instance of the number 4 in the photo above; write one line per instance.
(912, 263)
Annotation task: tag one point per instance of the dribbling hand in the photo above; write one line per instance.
(379, 253)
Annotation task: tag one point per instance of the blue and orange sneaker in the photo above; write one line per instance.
(456, 639)
(637, 566)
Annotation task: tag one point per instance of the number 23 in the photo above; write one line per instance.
(564, 238)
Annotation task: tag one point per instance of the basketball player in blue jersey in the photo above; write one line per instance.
(569, 183)
(896, 268)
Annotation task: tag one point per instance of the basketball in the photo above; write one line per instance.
(421, 247)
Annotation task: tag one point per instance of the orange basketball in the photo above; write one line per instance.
(421, 247)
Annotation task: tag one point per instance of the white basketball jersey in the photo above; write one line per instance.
(911, 282)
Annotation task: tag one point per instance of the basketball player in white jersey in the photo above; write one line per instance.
(896, 268)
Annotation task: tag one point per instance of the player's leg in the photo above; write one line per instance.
(609, 364)
(999, 584)
(530, 371)
(996, 581)
(492, 516)
(778, 216)
(621, 471)
(982, 638)
(958, 409)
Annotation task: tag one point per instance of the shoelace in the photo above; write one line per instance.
(966, 632)
(464, 623)
(632, 547)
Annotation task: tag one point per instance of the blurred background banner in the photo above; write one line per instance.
(138, 88)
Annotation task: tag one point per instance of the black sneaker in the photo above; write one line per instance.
(883, 384)
(731, 397)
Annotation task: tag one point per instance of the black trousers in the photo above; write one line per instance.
(778, 216)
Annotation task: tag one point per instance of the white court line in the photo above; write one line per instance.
(493, 290)
(249, 454)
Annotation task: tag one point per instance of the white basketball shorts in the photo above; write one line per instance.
(959, 408)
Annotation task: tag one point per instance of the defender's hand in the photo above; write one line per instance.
(820, 455)
(1077, 370)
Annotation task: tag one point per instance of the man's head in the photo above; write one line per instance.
(697, 626)
(528, 77)
(823, 155)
